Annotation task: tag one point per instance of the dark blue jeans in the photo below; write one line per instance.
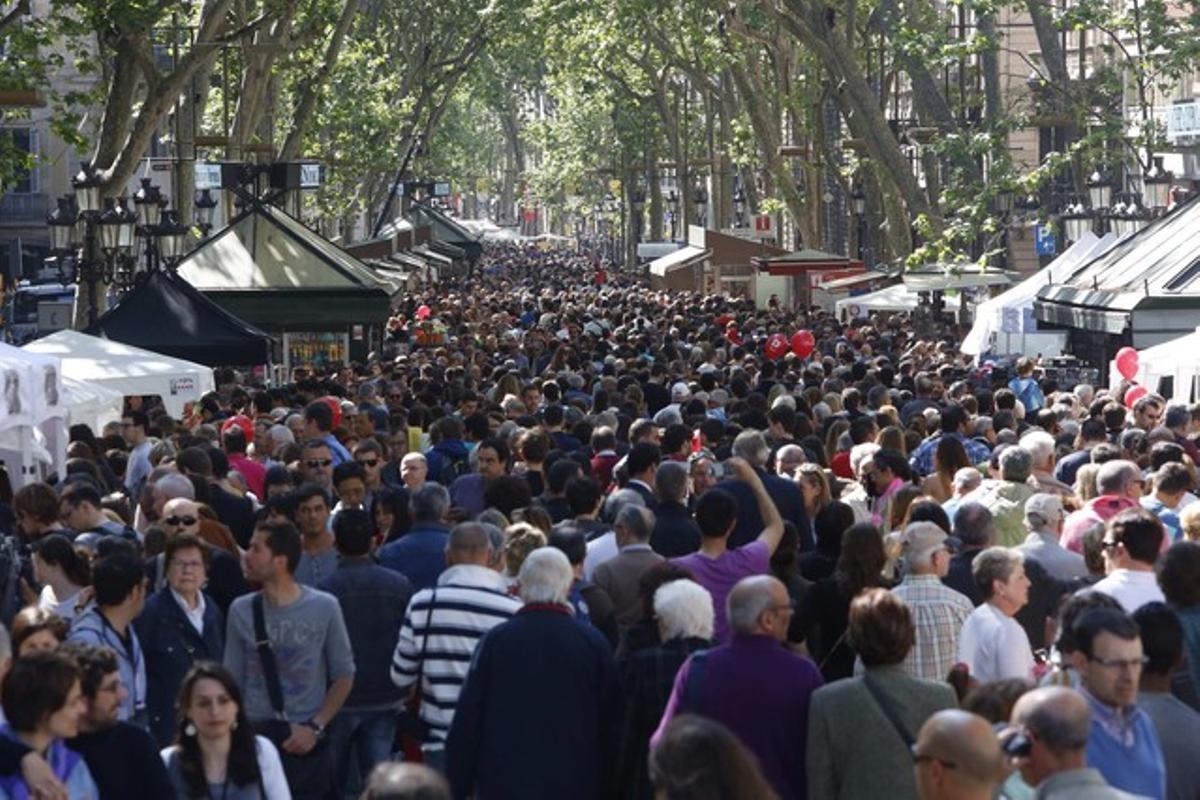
(370, 732)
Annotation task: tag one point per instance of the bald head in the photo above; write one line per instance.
(965, 740)
(750, 599)
(1058, 716)
(468, 543)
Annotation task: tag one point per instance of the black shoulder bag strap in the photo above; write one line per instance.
(695, 682)
(267, 656)
(889, 711)
(425, 641)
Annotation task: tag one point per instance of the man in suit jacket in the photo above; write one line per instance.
(860, 729)
(619, 576)
(752, 446)
(643, 460)
(675, 532)
(179, 626)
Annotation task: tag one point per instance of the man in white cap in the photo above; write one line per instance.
(1044, 517)
(938, 611)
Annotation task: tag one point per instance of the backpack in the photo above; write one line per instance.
(452, 467)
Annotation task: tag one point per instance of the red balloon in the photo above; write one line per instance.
(336, 405)
(1134, 394)
(803, 343)
(240, 421)
(1127, 362)
(776, 346)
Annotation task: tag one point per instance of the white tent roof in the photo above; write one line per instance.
(682, 257)
(991, 315)
(91, 404)
(897, 297)
(125, 369)
(1172, 359)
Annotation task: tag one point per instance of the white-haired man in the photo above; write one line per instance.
(569, 694)
(1040, 446)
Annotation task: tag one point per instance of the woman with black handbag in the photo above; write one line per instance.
(218, 755)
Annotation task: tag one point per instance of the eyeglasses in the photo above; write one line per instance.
(1120, 663)
(919, 758)
(313, 463)
(368, 462)
(173, 521)
(184, 566)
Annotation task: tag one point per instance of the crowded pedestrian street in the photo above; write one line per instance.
(526, 400)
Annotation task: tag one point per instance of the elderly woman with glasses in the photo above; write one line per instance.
(179, 626)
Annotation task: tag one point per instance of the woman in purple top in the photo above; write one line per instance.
(718, 568)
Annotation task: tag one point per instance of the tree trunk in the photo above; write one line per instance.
(312, 87)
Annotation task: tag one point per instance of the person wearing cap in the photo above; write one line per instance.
(1044, 516)
(938, 611)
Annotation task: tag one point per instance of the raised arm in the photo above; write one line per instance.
(772, 521)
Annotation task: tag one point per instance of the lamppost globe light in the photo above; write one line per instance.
(172, 236)
(146, 202)
(87, 190)
(61, 222)
(206, 207)
(110, 222)
(1100, 190)
(860, 201)
(127, 231)
(1157, 186)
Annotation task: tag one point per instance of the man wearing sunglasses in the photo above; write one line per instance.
(316, 464)
(957, 757)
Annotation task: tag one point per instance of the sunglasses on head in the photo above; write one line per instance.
(318, 462)
(180, 521)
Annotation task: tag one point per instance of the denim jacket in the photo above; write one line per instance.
(373, 601)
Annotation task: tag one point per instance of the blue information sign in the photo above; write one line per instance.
(1044, 240)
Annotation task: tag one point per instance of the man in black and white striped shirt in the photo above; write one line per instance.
(444, 624)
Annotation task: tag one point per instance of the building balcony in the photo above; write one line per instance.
(24, 209)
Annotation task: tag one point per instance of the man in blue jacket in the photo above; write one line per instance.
(752, 446)
(541, 671)
(420, 554)
(373, 601)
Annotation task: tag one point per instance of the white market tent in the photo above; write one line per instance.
(33, 429)
(1175, 359)
(91, 404)
(125, 369)
(896, 297)
(1012, 310)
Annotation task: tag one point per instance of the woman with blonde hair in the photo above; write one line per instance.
(1189, 522)
(892, 438)
(520, 539)
(1085, 482)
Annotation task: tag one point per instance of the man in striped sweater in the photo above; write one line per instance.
(443, 625)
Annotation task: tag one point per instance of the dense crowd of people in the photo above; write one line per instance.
(569, 537)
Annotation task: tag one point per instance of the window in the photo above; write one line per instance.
(1184, 277)
(23, 140)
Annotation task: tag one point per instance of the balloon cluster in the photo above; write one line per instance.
(1127, 366)
(801, 344)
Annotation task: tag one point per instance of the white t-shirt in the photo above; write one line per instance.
(599, 550)
(994, 646)
(1131, 589)
(64, 608)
